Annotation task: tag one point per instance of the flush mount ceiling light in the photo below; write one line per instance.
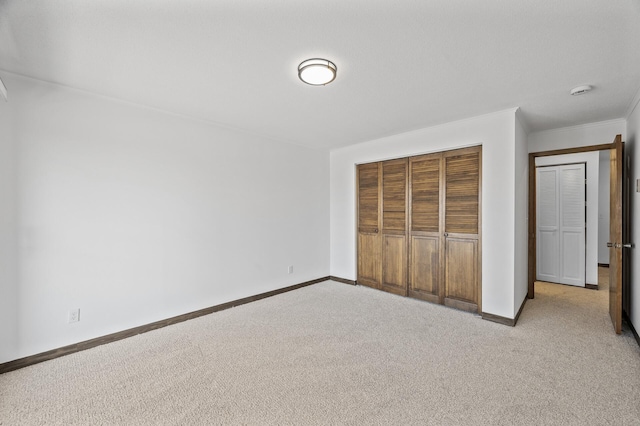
(580, 90)
(317, 72)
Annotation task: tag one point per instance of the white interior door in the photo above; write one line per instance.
(547, 221)
(561, 222)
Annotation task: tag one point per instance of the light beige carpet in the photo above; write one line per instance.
(337, 354)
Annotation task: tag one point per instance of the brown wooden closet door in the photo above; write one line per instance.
(369, 237)
(462, 174)
(394, 224)
(424, 230)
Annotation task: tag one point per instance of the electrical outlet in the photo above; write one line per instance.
(74, 315)
(291, 269)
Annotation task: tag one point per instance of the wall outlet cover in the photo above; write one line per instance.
(74, 315)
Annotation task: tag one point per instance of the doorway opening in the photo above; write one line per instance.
(617, 229)
(562, 230)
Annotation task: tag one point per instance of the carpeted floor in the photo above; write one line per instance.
(337, 354)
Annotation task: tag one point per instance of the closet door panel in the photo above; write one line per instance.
(425, 193)
(369, 256)
(394, 226)
(419, 227)
(369, 237)
(394, 196)
(461, 274)
(462, 229)
(425, 268)
(394, 264)
(424, 228)
(462, 188)
(368, 197)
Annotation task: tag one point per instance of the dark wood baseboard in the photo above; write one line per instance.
(603, 265)
(626, 319)
(92, 343)
(591, 286)
(515, 320)
(342, 280)
(504, 320)
(498, 319)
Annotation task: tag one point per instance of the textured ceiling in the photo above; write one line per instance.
(402, 65)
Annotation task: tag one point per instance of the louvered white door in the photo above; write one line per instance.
(561, 224)
(547, 221)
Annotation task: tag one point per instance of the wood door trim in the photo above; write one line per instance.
(442, 243)
(407, 228)
(479, 229)
(533, 257)
(532, 202)
(576, 150)
(380, 224)
(409, 234)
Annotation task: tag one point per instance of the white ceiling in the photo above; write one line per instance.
(402, 64)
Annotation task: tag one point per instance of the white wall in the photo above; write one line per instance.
(8, 237)
(604, 186)
(133, 215)
(599, 133)
(592, 159)
(521, 273)
(632, 151)
(496, 133)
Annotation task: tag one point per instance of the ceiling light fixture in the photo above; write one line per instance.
(580, 90)
(317, 72)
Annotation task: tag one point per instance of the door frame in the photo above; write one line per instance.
(532, 262)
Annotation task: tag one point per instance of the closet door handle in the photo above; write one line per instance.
(375, 230)
(446, 234)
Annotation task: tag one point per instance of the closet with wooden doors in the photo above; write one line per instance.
(419, 227)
